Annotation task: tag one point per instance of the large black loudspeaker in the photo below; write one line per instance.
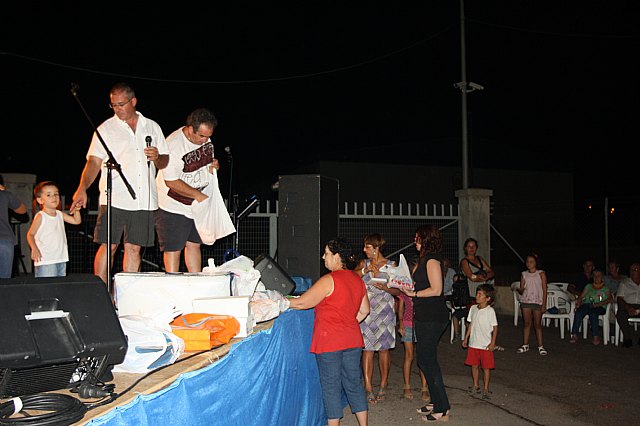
(273, 276)
(307, 219)
(56, 333)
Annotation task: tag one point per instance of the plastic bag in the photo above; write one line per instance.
(150, 345)
(210, 216)
(222, 328)
(399, 276)
(268, 304)
(245, 277)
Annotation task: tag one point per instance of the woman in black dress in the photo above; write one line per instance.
(431, 318)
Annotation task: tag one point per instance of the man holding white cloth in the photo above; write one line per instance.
(191, 163)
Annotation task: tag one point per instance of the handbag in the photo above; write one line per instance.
(460, 293)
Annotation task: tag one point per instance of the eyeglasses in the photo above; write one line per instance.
(119, 105)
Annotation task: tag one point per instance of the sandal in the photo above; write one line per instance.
(382, 393)
(542, 350)
(472, 390)
(425, 409)
(425, 393)
(431, 417)
(371, 398)
(486, 395)
(407, 392)
(522, 349)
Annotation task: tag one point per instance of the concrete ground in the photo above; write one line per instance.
(575, 384)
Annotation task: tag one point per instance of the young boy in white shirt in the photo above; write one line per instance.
(480, 339)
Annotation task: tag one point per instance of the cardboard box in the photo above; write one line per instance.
(194, 340)
(153, 294)
(236, 306)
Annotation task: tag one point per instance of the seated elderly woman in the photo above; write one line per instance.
(592, 302)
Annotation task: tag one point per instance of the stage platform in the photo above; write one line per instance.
(267, 378)
(160, 379)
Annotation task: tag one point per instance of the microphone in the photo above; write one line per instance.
(227, 149)
(148, 140)
(87, 390)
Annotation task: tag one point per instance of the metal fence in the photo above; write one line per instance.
(397, 223)
(257, 234)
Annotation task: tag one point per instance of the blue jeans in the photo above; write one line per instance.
(584, 310)
(51, 270)
(428, 336)
(6, 258)
(338, 370)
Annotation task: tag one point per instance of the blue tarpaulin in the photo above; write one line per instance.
(269, 378)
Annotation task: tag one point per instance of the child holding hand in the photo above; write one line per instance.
(480, 339)
(46, 236)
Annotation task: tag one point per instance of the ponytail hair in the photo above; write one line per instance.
(344, 249)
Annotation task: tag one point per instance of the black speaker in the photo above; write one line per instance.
(273, 276)
(56, 333)
(308, 217)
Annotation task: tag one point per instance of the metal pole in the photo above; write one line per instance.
(606, 232)
(463, 93)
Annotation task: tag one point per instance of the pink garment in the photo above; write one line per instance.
(407, 318)
(532, 287)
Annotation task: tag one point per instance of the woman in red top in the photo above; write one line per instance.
(341, 302)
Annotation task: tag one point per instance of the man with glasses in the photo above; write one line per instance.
(139, 147)
(628, 298)
(190, 165)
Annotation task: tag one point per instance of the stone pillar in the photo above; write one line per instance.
(21, 185)
(474, 205)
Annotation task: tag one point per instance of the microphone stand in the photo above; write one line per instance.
(111, 165)
(233, 200)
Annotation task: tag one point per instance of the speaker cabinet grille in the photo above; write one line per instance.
(35, 380)
(55, 332)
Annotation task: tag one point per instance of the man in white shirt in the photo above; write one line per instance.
(179, 184)
(138, 146)
(628, 298)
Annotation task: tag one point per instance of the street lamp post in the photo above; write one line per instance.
(465, 87)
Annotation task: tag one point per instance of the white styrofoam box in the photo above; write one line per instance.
(159, 295)
(236, 306)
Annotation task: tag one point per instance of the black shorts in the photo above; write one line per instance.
(174, 230)
(460, 312)
(135, 225)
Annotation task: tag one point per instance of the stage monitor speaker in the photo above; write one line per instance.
(307, 218)
(56, 333)
(273, 276)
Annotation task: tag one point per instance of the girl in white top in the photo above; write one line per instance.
(46, 236)
(533, 301)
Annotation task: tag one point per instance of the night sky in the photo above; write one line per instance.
(323, 80)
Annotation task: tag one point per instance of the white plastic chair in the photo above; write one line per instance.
(566, 306)
(618, 333)
(562, 286)
(605, 324)
(516, 302)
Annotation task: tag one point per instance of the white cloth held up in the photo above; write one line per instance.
(210, 216)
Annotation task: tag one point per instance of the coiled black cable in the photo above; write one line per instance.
(63, 410)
